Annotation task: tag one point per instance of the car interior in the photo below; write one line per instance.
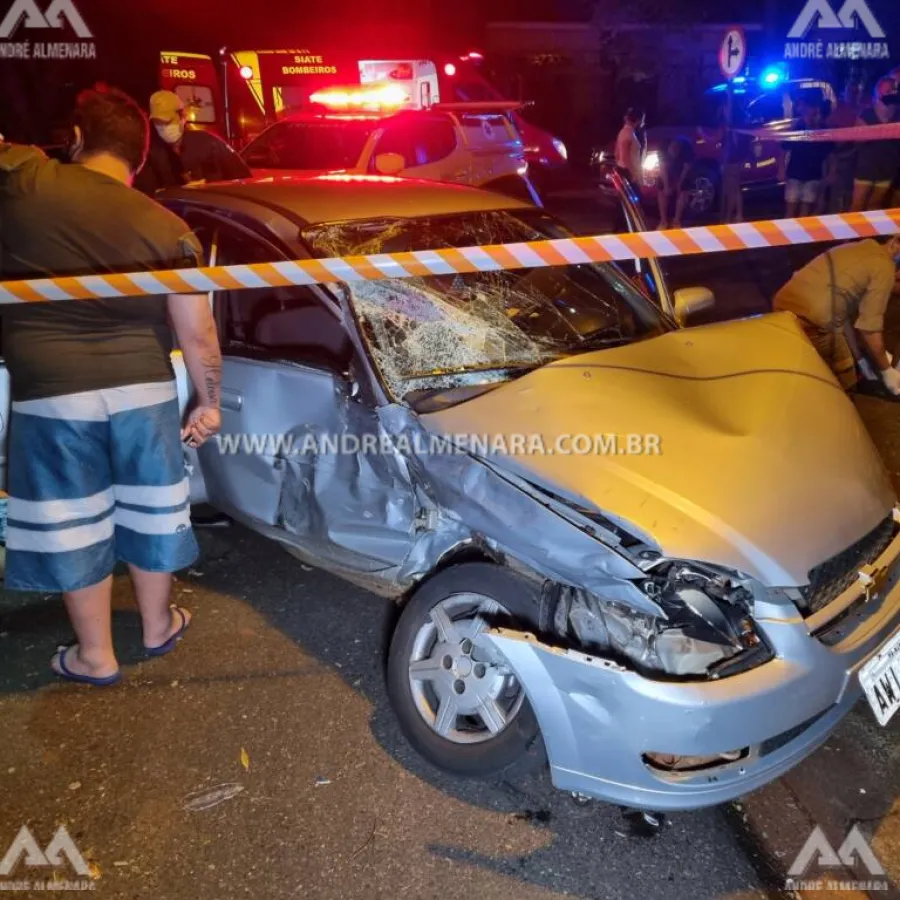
(293, 324)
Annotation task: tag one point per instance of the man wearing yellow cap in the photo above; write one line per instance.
(179, 155)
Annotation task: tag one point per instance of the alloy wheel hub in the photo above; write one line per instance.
(458, 691)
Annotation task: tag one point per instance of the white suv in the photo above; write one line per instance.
(465, 143)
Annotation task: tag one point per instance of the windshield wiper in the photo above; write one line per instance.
(598, 342)
(517, 368)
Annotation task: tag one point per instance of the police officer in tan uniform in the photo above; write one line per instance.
(840, 298)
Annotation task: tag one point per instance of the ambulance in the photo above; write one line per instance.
(244, 91)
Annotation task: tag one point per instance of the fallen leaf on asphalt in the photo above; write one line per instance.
(94, 872)
(245, 759)
(207, 799)
(75, 785)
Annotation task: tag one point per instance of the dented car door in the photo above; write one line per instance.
(300, 451)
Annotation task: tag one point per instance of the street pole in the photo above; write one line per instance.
(223, 53)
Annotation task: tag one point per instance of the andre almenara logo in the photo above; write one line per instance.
(25, 21)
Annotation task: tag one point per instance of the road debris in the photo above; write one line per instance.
(321, 781)
(369, 840)
(245, 759)
(207, 799)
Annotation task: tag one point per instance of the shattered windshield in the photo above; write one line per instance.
(444, 331)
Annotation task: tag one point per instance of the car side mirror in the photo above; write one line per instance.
(389, 163)
(692, 300)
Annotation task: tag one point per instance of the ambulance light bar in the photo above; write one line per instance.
(373, 98)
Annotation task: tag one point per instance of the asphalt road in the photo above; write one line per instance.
(261, 758)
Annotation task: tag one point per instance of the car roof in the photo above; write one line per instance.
(336, 197)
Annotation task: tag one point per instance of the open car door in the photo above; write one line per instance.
(648, 272)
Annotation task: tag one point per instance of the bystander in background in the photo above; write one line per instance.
(809, 162)
(734, 149)
(839, 186)
(877, 162)
(629, 149)
(671, 186)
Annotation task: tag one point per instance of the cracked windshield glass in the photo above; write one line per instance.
(445, 331)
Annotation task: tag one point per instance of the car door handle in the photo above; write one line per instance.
(232, 399)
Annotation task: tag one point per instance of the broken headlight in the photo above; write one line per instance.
(706, 628)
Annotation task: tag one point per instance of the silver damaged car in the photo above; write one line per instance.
(674, 621)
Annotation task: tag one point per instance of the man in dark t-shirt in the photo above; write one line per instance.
(96, 469)
(808, 163)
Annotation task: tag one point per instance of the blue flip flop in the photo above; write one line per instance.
(68, 675)
(169, 645)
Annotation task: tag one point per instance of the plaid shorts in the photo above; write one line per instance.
(95, 478)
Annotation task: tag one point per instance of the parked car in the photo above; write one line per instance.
(463, 143)
(674, 628)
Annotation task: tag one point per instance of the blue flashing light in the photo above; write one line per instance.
(772, 77)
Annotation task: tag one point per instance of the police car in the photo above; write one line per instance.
(364, 129)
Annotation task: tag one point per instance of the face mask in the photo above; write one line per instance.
(170, 133)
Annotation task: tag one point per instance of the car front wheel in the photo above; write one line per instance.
(702, 187)
(461, 709)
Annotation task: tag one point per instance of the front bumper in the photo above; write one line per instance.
(598, 718)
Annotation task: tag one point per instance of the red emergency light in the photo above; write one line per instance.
(449, 70)
(387, 96)
(246, 72)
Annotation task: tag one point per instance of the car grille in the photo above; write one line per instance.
(830, 579)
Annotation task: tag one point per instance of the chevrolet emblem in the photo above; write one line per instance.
(873, 579)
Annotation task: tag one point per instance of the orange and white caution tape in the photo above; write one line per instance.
(495, 257)
(854, 133)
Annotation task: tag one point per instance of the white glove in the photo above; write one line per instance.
(891, 378)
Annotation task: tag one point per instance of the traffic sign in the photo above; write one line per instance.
(733, 52)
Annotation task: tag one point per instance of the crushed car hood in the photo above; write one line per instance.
(763, 466)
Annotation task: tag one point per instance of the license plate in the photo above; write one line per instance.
(880, 679)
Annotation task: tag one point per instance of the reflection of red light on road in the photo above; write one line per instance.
(246, 73)
(450, 69)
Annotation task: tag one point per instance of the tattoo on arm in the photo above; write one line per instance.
(212, 378)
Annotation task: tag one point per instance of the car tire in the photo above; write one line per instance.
(704, 184)
(517, 746)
